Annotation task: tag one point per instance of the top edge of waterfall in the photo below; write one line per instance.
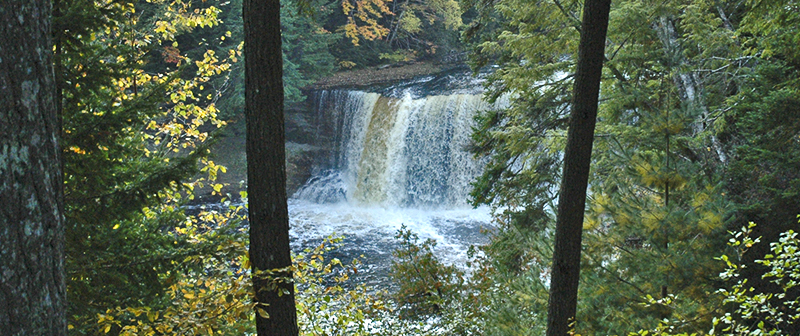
(432, 80)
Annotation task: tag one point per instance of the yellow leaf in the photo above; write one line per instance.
(261, 312)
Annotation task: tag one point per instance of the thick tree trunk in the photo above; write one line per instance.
(563, 300)
(266, 171)
(32, 290)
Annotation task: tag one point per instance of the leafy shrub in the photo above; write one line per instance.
(752, 312)
(439, 297)
(763, 313)
(425, 284)
(218, 300)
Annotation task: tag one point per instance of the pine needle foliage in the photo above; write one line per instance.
(659, 205)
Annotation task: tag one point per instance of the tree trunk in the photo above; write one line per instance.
(563, 300)
(266, 171)
(32, 290)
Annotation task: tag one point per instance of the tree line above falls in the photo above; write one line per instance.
(698, 134)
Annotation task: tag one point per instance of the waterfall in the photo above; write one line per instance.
(393, 158)
(400, 150)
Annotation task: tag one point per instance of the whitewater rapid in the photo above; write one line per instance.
(369, 232)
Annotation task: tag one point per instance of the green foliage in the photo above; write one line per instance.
(431, 292)
(209, 294)
(658, 205)
(763, 123)
(756, 312)
(306, 48)
(426, 27)
(512, 297)
(422, 27)
(330, 303)
(218, 300)
(426, 285)
(697, 132)
(133, 141)
(324, 305)
(747, 310)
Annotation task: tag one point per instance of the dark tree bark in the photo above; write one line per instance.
(266, 171)
(32, 290)
(563, 300)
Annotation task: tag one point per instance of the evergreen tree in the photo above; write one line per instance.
(306, 52)
(656, 213)
(306, 46)
(132, 142)
(761, 130)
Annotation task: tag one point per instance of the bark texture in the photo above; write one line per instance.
(32, 290)
(266, 171)
(563, 300)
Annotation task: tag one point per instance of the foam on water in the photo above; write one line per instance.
(373, 228)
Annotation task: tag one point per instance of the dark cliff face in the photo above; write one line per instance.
(302, 144)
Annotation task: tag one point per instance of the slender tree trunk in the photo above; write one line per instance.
(563, 300)
(690, 89)
(266, 171)
(689, 85)
(32, 290)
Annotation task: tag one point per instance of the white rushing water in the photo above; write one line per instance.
(395, 161)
